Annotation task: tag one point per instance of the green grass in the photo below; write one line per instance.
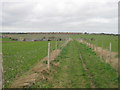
(19, 57)
(7, 39)
(100, 40)
(106, 39)
(104, 75)
(71, 73)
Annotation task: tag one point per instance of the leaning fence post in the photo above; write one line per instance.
(48, 55)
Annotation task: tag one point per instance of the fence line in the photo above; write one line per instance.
(110, 49)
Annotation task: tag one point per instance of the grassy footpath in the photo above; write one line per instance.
(104, 76)
(71, 74)
(68, 72)
(70, 69)
(21, 56)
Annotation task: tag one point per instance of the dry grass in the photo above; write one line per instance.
(38, 72)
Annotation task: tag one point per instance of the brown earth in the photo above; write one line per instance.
(107, 56)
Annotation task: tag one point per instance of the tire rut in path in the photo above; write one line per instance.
(88, 73)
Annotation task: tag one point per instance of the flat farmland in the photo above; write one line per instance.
(77, 65)
(100, 40)
(80, 67)
(21, 56)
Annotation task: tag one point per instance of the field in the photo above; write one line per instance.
(20, 56)
(101, 40)
(78, 65)
(72, 74)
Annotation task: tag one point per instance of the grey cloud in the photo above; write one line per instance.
(61, 16)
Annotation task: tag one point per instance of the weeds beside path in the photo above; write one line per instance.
(107, 56)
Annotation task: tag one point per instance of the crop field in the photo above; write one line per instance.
(21, 56)
(77, 65)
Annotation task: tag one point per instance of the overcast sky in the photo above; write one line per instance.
(59, 16)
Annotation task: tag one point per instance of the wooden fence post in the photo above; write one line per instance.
(110, 49)
(96, 46)
(48, 55)
(102, 47)
(110, 46)
(102, 44)
(93, 47)
(56, 44)
(89, 44)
